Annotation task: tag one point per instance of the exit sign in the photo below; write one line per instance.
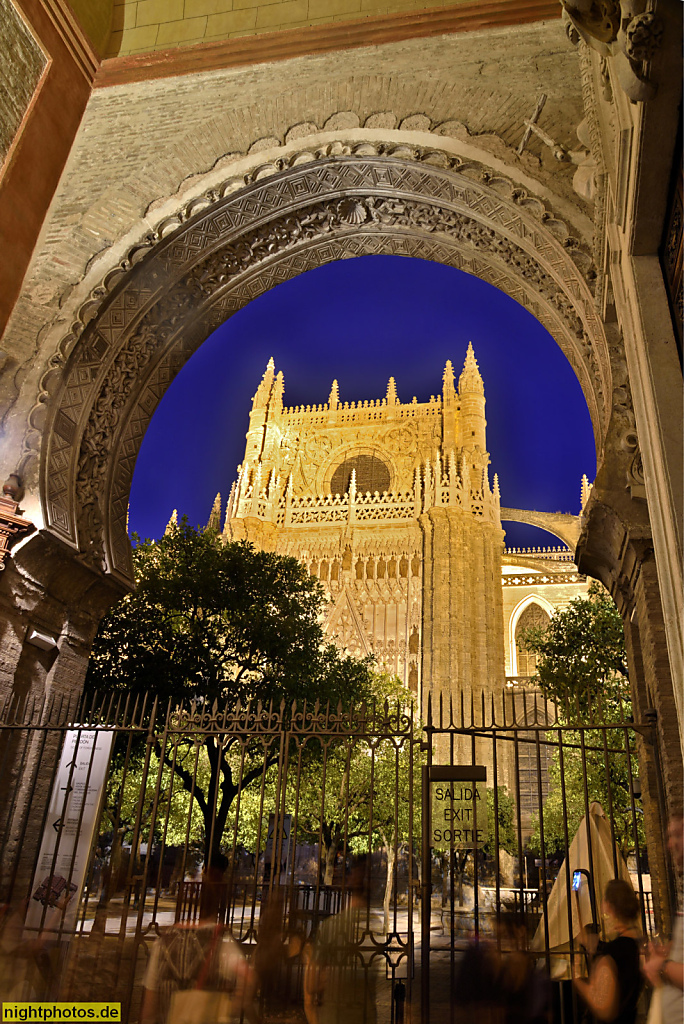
(458, 812)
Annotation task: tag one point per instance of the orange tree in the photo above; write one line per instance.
(212, 621)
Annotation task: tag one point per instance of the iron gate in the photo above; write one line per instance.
(563, 793)
(113, 807)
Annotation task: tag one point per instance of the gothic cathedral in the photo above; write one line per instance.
(390, 505)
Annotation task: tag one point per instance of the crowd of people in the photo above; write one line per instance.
(198, 974)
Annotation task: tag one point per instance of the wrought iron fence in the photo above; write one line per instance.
(568, 776)
(118, 812)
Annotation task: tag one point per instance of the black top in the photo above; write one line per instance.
(624, 952)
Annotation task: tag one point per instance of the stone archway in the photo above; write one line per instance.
(561, 524)
(231, 248)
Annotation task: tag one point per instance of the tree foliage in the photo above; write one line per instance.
(582, 667)
(603, 773)
(581, 659)
(210, 621)
(506, 818)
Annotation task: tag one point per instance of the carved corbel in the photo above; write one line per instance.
(621, 31)
(12, 521)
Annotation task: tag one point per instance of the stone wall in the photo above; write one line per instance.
(95, 18)
(139, 144)
(47, 72)
(22, 62)
(143, 25)
(557, 595)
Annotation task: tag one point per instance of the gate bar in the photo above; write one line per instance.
(435, 773)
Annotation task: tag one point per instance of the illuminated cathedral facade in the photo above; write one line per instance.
(392, 507)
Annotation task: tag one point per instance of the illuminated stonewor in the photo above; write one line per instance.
(390, 505)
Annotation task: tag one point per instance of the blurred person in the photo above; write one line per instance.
(340, 983)
(192, 966)
(270, 952)
(476, 987)
(299, 945)
(524, 991)
(91, 969)
(612, 990)
(17, 956)
(298, 951)
(590, 941)
(28, 955)
(663, 964)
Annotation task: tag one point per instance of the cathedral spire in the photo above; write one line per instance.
(276, 403)
(172, 523)
(214, 522)
(260, 400)
(391, 396)
(448, 388)
(472, 423)
(448, 406)
(470, 379)
(334, 398)
(230, 508)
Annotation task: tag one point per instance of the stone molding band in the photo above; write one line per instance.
(344, 35)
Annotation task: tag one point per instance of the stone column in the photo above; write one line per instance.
(649, 619)
(656, 384)
(651, 785)
(51, 605)
(616, 547)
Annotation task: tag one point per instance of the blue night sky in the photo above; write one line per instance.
(363, 320)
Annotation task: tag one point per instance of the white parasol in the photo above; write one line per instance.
(600, 868)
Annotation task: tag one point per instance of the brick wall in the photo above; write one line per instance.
(22, 62)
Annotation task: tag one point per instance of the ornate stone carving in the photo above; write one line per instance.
(478, 172)
(599, 20)
(535, 579)
(594, 138)
(637, 484)
(643, 36)
(188, 200)
(173, 297)
(12, 521)
(619, 33)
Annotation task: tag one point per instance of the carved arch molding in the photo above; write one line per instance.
(240, 245)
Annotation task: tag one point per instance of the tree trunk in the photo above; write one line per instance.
(114, 864)
(389, 881)
(444, 865)
(461, 860)
(330, 856)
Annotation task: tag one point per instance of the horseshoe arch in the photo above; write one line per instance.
(233, 248)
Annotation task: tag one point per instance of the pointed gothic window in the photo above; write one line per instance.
(533, 615)
(371, 475)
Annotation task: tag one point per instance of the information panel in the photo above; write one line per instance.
(458, 797)
(69, 830)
